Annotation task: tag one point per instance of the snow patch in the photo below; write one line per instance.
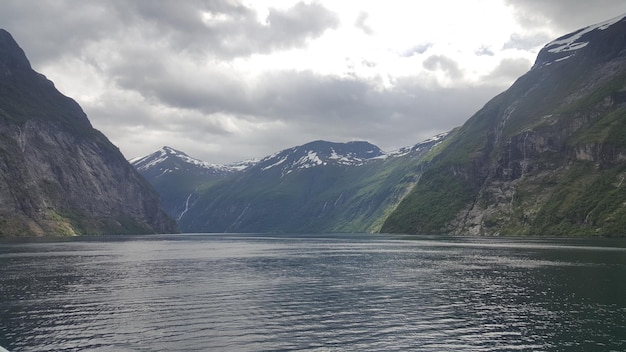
(564, 58)
(275, 164)
(571, 42)
(428, 143)
(569, 47)
(309, 160)
(159, 157)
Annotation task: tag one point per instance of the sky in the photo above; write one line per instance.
(231, 80)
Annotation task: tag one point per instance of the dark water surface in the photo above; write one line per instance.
(324, 293)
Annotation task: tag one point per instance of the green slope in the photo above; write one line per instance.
(333, 198)
(546, 157)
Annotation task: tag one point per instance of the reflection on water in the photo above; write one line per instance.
(358, 293)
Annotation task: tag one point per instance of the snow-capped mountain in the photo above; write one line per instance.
(319, 153)
(419, 147)
(168, 160)
(176, 176)
(570, 45)
(323, 153)
(317, 186)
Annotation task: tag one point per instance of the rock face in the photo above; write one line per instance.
(58, 175)
(546, 157)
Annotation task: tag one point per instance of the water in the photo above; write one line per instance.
(325, 293)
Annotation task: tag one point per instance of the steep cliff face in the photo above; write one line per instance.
(58, 175)
(546, 157)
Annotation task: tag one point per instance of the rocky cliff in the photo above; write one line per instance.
(546, 157)
(58, 175)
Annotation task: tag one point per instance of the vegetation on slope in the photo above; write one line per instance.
(543, 158)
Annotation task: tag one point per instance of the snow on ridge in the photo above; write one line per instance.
(282, 160)
(309, 160)
(436, 139)
(150, 161)
(568, 46)
(241, 165)
(571, 43)
(348, 159)
(160, 156)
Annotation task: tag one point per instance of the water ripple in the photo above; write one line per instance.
(286, 294)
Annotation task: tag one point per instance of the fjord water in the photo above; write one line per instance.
(304, 293)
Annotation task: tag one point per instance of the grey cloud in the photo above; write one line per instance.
(235, 30)
(525, 41)
(508, 70)
(482, 51)
(177, 24)
(568, 15)
(38, 29)
(361, 23)
(402, 116)
(159, 90)
(212, 93)
(444, 63)
(302, 20)
(418, 49)
(311, 106)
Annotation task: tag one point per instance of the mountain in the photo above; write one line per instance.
(320, 153)
(177, 176)
(545, 157)
(58, 175)
(317, 187)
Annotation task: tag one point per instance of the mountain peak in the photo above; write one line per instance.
(320, 153)
(596, 37)
(165, 150)
(12, 57)
(169, 160)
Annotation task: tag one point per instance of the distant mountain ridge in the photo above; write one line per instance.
(304, 183)
(58, 175)
(167, 159)
(317, 153)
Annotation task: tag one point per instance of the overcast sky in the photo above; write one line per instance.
(228, 80)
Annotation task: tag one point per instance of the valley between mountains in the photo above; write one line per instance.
(546, 157)
(317, 187)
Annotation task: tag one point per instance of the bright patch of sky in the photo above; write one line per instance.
(383, 40)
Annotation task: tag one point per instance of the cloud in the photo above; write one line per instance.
(361, 24)
(226, 79)
(294, 26)
(418, 49)
(225, 28)
(44, 37)
(526, 41)
(564, 15)
(219, 28)
(445, 64)
(508, 70)
(483, 50)
(189, 106)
